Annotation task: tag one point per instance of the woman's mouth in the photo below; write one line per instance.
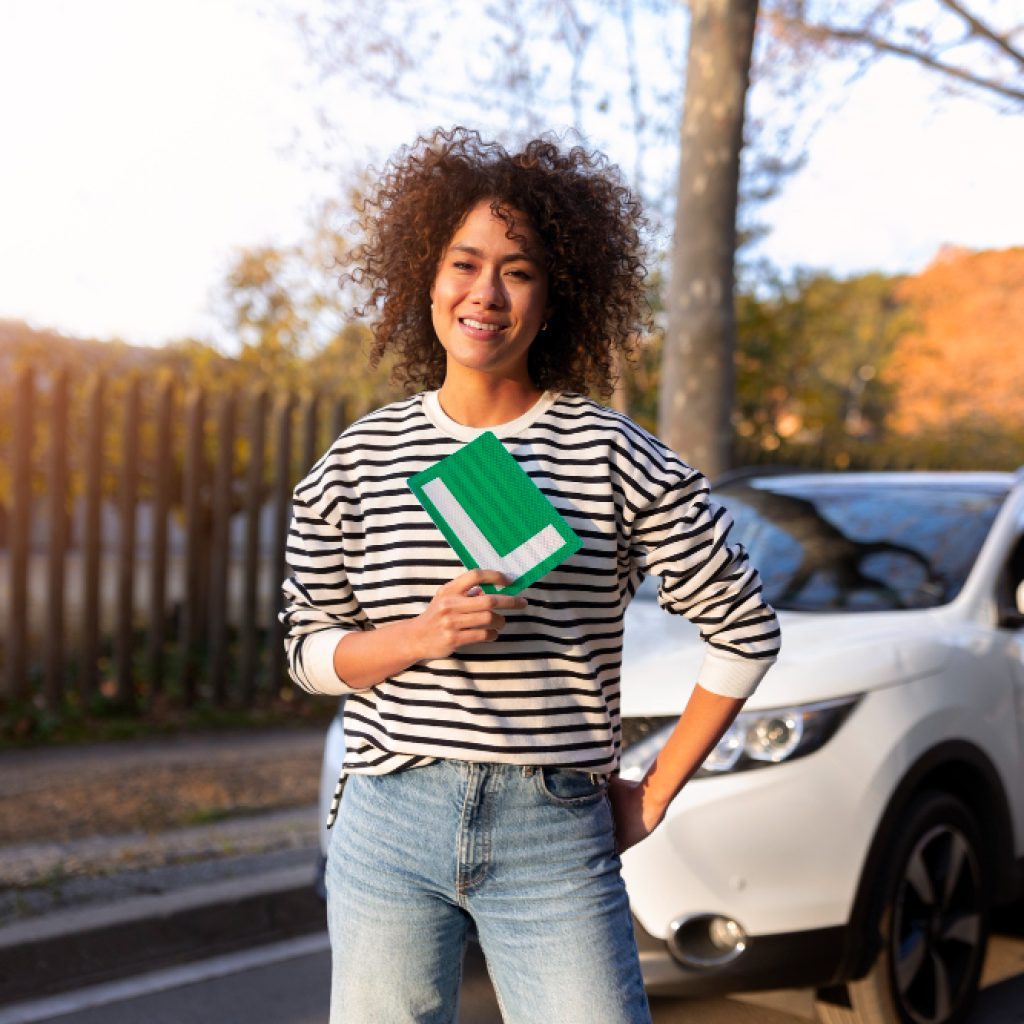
(480, 325)
(480, 329)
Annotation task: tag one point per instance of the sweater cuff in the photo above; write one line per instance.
(731, 676)
(318, 661)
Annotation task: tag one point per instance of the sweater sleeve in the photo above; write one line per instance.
(679, 535)
(319, 604)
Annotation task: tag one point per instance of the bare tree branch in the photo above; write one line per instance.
(979, 28)
(861, 37)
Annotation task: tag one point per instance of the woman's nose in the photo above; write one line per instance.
(487, 290)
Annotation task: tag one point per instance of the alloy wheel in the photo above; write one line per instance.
(937, 931)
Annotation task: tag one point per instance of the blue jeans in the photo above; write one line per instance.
(526, 854)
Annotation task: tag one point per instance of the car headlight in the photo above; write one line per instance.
(754, 740)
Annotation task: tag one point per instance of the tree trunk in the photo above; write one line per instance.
(697, 379)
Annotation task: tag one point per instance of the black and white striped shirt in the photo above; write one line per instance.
(364, 553)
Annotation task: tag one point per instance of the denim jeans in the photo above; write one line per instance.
(525, 854)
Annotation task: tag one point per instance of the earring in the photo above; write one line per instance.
(544, 326)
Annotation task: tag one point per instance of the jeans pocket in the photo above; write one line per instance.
(566, 787)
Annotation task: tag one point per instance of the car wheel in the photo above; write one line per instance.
(932, 921)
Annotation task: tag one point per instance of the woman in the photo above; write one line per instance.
(482, 729)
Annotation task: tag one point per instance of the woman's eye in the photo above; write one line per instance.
(462, 265)
(519, 275)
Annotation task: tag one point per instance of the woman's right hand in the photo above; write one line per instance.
(460, 613)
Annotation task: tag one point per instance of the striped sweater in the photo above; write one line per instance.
(363, 552)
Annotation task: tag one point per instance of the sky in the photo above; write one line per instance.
(143, 142)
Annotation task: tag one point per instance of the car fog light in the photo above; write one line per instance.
(726, 934)
(707, 940)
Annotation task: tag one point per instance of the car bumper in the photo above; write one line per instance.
(795, 960)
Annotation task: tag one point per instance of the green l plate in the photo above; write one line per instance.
(494, 515)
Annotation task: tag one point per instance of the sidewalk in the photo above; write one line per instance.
(118, 858)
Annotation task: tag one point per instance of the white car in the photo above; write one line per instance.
(857, 824)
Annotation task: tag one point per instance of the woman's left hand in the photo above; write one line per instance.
(635, 820)
(638, 807)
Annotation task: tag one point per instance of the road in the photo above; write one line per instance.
(288, 983)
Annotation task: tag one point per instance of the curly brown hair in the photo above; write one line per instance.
(587, 219)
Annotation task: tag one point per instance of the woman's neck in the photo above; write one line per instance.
(488, 403)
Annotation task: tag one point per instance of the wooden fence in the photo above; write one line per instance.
(189, 609)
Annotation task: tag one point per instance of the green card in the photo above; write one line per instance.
(494, 515)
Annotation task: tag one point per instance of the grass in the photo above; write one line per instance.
(105, 716)
(101, 719)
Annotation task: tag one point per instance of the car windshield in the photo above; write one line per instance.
(860, 545)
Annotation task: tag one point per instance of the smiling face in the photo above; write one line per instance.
(489, 296)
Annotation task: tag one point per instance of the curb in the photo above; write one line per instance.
(85, 946)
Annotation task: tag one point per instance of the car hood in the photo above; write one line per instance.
(824, 655)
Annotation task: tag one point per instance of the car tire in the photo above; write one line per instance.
(931, 924)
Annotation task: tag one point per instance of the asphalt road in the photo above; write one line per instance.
(288, 983)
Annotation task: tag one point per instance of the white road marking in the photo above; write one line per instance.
(163, 981)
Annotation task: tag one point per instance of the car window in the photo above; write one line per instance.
(865, 545)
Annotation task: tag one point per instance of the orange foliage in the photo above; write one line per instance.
(965, 360)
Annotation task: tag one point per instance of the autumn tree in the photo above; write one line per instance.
(813, 357)
(920, 370)
(288, 320)
(962, 364)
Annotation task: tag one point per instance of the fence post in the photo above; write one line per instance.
(308, 450)
(282, 507)
(158, 556)
(124, 631)
(89, 647)
(220, 560)
(57, 482)
(249, 667)
(339, 419)
(191, 620)
(22, 438)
